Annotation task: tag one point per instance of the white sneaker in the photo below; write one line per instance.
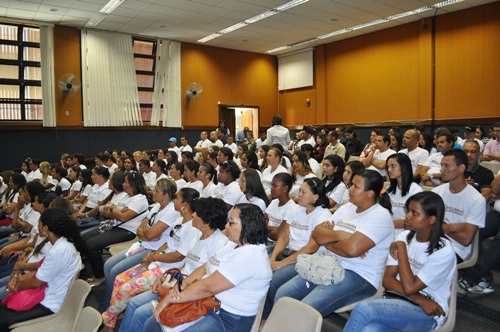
(482, 288)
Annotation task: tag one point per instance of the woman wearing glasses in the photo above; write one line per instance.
(151, 233)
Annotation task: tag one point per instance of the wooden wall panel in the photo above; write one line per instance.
(67, 60)
(468, 63)
(230, 77)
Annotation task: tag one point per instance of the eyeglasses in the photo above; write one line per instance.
(152, 220)
(174, 231)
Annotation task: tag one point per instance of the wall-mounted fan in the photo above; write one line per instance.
(69, 83)
(194, 91)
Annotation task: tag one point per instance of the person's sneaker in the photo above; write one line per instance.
(482, 288)
(463, 286)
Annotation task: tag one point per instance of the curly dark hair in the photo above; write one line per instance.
(61, 224)
(253, 224)
(212, 211)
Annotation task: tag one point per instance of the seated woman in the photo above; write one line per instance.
(58, 269)
(311, 211)
(129, 164)
(426, 280)
(152, 232)
(46, 177)
(171, 254)
(171, 157)
(61, 184)
(228, 189)
(241, 149)
(396, 142)
(86, 188)
(319, 149)
(238, 288)
(176, 172)
(208, 177)
(249, 160)
(133, 210)
(191, 169)
(351, 168)
(251, 186)
(262, 153)
(333, 170)
(359, 235)
(9, 202)
(209, 219)
(160, 169)
(274, 158)
(402, 186)
(300, 171)
(100, 191)
(280, 209)
(76, 184)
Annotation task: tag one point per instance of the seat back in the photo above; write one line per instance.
(70, 308)
(291, 315)
(89, 321)
(258, 317)
(449, 324)
(491, 165)
(473, 257)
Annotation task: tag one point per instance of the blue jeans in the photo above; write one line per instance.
(139, 310)
(327, 299)
(5, 231)
(280, 277)
(220, 321)
(389, 315)
(115, 265)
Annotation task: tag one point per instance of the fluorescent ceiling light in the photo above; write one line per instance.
(110, 6)
(95, 20)
(233, 27)
(364, 25)
(254, 19)
(261, 16)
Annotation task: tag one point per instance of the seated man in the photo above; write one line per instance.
(431, 170)
(465, 206)
(377, 159)
(334, 146)
(417, 155)
(492, 149)
(476, 175)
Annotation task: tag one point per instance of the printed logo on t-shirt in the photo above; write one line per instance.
(345, 224)
(214, 261)
(298, 225)
(453, 210)
(274, 221)
(397, 204)
(416, 264)
(193, 257)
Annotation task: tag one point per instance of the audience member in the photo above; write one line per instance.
(277, 133)
(184, 145)
(172, 141)
(492, 149)
(431, 169)
(352, 144)
(417, 155)
(334, 146)
(377, 159)
(476, 175)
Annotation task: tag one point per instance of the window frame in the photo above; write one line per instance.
(145, 72)
(21, 82)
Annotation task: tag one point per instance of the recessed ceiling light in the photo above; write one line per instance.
(54, 10)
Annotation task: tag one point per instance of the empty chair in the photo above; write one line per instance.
(452, 313)
(89, 321)
(64, 319)
(492, 166)
(292, 315)
(117, 247)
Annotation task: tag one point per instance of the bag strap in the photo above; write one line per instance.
(119, 223)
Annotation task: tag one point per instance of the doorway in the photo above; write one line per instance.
(239, 116)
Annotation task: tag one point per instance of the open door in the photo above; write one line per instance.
(239, 116)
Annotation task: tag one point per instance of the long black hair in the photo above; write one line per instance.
(336, 177)
(375, 182)
(254, 185)
(60, 223)
(253, 224)
(406, 173)
(318, 188)
(432, 205)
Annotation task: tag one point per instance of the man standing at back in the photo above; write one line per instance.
(278, 134)
(465, 206)
(417, 155)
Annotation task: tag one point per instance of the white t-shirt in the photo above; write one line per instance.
(30, 216)
(417, 157)
(398, 203)
(150, 179)
(75, 186)
(168, 216)
(230, 194)
(162, 176)
(233, 147)
(338, 193)
(64, 184)
(381, 156)
(180, 183)
(267, 177)
(202, 250)
(277, 214)
(185, 148)
(311, 141)
(376, 224)
(250, 285)
(112, 169)
(58, 269)
(435, 270)
(138, 204)
(86, 191)
(34, 175)
(197, 185)
(13, 199)
(314, 166)
(177, 151)
(184, 237)
(208, 190)
(434, 164)
(98, 193)
(302, 225)
(467, 206)
(204, 144)
(255, 201)
(298, 182)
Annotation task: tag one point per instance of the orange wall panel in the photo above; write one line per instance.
(468, 63)
(67, 60)
(229, 77)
